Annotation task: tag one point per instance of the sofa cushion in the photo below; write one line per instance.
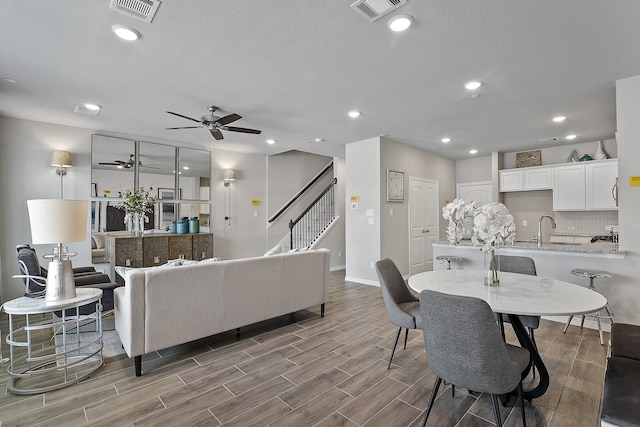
(274, 250)
(98, 239)
(625, 340)
(124, 271)
(621, 396)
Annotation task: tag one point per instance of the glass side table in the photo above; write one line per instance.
(52, 345)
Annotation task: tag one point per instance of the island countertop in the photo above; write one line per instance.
(599, 247)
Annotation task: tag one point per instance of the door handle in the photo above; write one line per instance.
(425, 231)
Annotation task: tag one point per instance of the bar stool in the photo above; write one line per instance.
(593, 274)
(449, 259)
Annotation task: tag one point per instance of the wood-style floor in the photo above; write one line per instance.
(304, 370)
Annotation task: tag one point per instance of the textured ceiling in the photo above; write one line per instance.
(294, 68)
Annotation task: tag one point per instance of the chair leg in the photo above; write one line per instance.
(533, 341)
(496, 409)
(599, 328)
(501, 322)
(520, 395)
(406, 335)
(432, 399)
(395, 343)
(567, 325)
(582, 322)
(453, 390)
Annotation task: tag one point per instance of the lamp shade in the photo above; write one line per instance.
(229, 175)
(58, 220)
(61, 159)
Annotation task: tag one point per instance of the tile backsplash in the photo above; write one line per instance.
(590, 223)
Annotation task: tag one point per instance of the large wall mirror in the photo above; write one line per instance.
(119, 164)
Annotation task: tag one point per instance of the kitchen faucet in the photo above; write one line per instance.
(553, 225)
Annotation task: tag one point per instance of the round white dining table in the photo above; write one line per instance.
(518, 294)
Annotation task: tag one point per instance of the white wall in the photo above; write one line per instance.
(474, 169)
(388, 236)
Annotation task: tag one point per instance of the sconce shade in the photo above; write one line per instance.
(229, 175)
(61, 159)
(55, 221)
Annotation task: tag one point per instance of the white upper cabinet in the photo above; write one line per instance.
(526, 179)
(602, 185)
(585, 186)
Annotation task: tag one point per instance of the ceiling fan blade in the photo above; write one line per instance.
(216, 134)
(243, 130)
(109, 164)
(184, 117)
(228, 119)
(186, 127)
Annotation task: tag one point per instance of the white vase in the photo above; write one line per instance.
(600, 153)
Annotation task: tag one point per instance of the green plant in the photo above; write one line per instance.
(138, 201)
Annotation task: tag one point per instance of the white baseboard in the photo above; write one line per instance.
(338, 268)
(362, 281)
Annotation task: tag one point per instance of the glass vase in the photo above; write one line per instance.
(135, 223)
(492, 268)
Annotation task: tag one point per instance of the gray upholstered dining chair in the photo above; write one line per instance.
(403, 308)
(471, 355)
(522, 265)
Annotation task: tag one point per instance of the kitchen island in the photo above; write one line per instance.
(556, 260)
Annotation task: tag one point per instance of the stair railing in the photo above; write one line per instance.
(310, 224)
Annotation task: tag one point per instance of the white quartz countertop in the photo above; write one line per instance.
(599, 247)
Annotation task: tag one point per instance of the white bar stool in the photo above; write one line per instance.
(449, 259)
(593, 274)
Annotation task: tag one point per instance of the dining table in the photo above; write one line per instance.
(517, 294)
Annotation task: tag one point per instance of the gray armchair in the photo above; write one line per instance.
(470, 354)
(522, 265)
(403, 308)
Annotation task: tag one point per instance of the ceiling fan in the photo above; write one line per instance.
(215, 124)
(121, 164)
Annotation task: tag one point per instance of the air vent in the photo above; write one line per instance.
(372, 10)
(141, 9)
(81, 109)
(548, 140)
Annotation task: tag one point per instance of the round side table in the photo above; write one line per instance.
(449, 259)
(592, 275)
(52, 345)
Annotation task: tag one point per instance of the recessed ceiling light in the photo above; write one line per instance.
(474, 151)
(318, 139)
(92, 107)
(8, 80)
(125, 33)
(353, 114)
(271, 141)
(400, 22)
(559, 119)
(185, 168)
(572, 136)
(473, 84)
(446, 140)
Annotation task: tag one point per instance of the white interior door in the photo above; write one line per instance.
(424, 214)
(478, 191)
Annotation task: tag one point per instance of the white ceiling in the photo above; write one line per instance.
(294, 68)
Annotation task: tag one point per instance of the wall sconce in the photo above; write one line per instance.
(62, 160)
(229, 175)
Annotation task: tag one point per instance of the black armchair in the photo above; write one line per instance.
(34, 277)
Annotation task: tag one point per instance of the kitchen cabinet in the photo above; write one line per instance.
(585, 186)
(526, 179)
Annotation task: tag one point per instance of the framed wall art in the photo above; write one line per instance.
(395, 186)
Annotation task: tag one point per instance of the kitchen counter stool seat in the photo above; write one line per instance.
(592, 275)
(449, 259)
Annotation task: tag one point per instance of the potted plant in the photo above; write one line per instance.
(136, 204)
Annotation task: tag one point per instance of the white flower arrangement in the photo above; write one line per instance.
(493, 225)
(455, 212)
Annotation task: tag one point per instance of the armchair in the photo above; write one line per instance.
(34, 277)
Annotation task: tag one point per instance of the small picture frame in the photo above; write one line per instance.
(395, 186)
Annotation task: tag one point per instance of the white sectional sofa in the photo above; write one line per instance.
(163, 307)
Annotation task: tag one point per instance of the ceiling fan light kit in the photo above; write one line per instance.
(215, 124)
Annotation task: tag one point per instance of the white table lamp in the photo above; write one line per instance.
(58, 221)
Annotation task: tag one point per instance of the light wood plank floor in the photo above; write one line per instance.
(304, 370)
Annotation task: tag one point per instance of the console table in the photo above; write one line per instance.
(52, 345)
(151, 250)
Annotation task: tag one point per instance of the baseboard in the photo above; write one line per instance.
(338, 268)
(362, 281)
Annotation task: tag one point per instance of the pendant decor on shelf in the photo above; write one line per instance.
(573, 157)
(600, 153)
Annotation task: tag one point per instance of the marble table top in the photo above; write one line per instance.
(26, 305)
(517, 294)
